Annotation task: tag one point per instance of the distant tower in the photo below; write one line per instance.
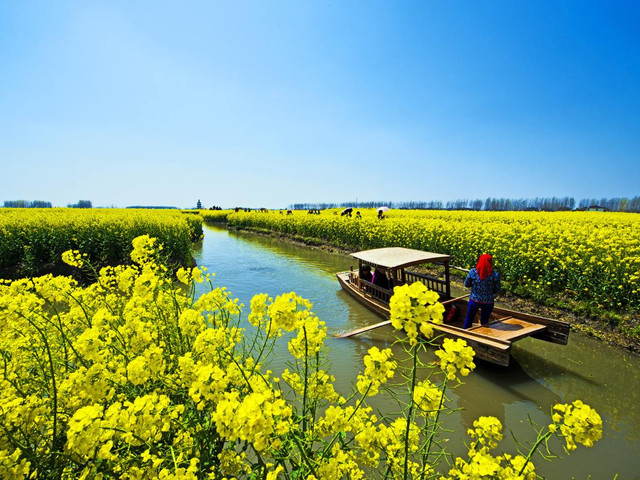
(199, 205)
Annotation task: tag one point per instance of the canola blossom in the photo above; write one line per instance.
(577, 423)
(592, 257)
(481, 464)
(379, 368)
(32, 241)
(134, 377)
(455, 356)
(415, 308)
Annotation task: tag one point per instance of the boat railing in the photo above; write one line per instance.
(379, 293)
(432, 283)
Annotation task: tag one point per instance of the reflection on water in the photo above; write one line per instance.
(541, 374)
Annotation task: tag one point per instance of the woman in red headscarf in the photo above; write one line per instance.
(484, 282)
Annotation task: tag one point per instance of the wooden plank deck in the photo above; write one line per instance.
(508, 328)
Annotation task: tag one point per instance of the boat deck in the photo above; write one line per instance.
(508, 328)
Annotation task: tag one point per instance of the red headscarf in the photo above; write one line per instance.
(485, 266)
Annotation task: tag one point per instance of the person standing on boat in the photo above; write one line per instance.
(484, 282)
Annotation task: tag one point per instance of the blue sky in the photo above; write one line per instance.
(274, 103)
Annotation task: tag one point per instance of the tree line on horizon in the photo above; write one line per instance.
(26, 204)
(43, 204)
(546, 204)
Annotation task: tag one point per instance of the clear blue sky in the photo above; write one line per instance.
(273, 103)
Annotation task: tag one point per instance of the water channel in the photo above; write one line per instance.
(541, 374)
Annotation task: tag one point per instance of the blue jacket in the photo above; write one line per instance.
(482, 291)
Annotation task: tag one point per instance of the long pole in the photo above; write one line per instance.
(388, 322)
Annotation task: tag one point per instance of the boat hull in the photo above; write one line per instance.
(491, 342)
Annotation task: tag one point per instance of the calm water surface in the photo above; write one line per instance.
(541, 374)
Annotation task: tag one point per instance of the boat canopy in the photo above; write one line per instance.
(399, 257)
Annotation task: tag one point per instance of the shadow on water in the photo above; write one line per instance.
(541, 366)
(540, 375)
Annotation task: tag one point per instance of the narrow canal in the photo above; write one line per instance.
(540, 376)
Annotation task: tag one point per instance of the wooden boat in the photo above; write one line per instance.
(492, 342)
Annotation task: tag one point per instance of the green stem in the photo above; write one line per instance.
(304, 456)
(541, 438)
(54, 397)
(81, 305)
(263, 347)
(241, 370)
(414, 371)
(335, 437)
(315, 404)
(173, 457)
(425, 457)
(306, 381)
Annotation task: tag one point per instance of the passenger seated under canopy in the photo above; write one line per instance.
(380, 279)
(365, 273)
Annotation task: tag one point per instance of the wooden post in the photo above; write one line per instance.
(447, 278)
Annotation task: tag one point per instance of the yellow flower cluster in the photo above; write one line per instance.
(337, 419)
(319, 385)
(311, 335)
(392, 440)
(259, 418)
(341, 464)
(578, 422)
(379, 368)
(589, 256)
(258, 309)
(12, 467)
(428, 398)
(375, 440)
(487, 432)
(456, 356)
(74, 258)
(414, 308)
(145, 249)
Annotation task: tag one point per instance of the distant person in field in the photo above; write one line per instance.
(484, 282)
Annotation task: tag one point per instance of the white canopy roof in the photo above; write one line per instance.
(396, 257)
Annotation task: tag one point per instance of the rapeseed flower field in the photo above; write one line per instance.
(590, 257)
(134, 377)
(32, 240)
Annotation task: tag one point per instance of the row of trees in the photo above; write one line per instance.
(43, 204)
(81, 204)
(26, 204)
(547, 204)
(614, 204)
